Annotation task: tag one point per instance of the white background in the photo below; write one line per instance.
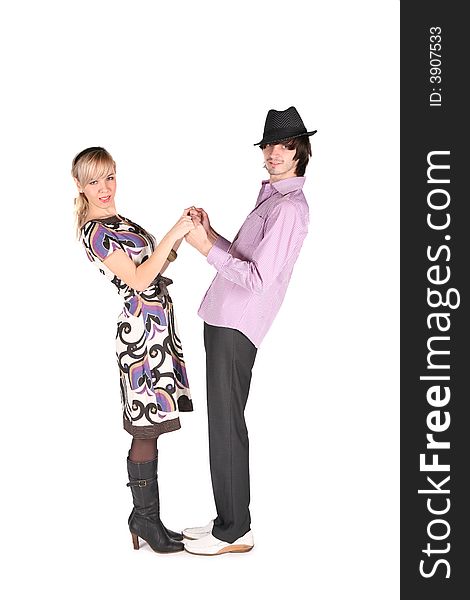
(179, 93)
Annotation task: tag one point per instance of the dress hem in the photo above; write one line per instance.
(145, 432)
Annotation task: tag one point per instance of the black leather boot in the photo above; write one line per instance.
(144, 520)
(172, 534)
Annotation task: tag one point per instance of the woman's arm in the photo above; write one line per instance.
(140, 277)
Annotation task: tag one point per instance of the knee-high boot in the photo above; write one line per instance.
(144, 520)
(178, 536)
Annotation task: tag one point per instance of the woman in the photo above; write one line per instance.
(153, 380)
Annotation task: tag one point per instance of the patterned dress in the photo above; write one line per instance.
(153, 380)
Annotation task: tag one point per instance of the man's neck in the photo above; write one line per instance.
(275, 178)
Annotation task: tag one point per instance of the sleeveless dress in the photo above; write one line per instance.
(153, 380)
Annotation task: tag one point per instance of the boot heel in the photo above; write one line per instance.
(135, 541)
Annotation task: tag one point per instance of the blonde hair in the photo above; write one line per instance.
(88, 165)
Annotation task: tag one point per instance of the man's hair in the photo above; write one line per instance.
(303, 151)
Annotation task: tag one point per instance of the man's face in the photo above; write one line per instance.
(279, 160)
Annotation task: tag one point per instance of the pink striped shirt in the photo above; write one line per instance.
(253, 271)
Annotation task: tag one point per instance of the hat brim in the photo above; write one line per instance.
(288, 137)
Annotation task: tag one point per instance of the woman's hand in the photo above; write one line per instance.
(183, 226)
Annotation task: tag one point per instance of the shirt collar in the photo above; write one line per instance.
(284, 186)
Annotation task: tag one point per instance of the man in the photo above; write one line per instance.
(253, 273)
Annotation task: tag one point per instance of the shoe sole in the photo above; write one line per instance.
(227, 549)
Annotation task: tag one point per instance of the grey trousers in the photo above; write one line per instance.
(230, 356)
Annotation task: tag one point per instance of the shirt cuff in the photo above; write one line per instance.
(217, 256)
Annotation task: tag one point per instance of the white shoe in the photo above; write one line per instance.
(194, 533)
(211, 546)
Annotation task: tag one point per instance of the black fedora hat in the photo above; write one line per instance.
(283, 125)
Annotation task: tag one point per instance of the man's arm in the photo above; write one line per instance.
(200, 216)
(284, 234)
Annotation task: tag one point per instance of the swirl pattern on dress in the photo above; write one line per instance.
(153, 380)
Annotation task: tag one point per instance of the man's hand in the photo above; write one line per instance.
(199, 239)
(203, 218)
(200, 217)
(195, 215)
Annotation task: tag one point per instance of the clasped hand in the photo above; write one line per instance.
(198, 237)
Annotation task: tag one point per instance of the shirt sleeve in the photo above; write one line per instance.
(283, 237)
(222, 243)
(100, 241)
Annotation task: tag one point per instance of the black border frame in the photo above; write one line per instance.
(426, 128)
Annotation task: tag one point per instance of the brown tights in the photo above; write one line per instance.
(143, 450)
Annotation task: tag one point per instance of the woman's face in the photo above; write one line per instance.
(100, 192)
